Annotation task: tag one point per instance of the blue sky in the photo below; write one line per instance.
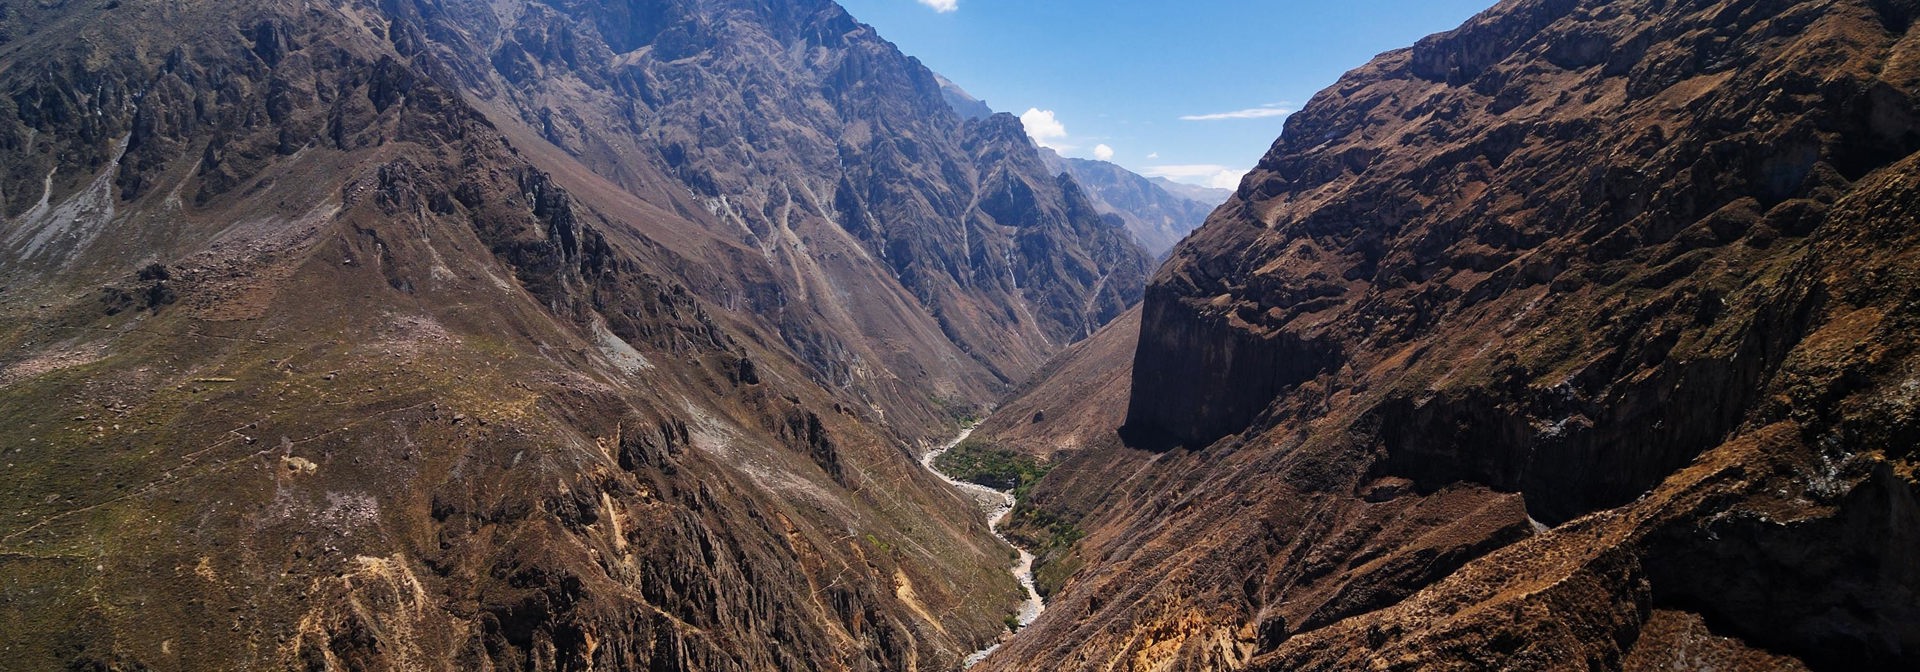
(1194, 90)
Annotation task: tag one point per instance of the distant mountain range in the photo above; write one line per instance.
(1158, 212)
(963, 103)
(1194, 192)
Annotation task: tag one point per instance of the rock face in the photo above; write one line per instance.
(798, 136)
(1156, 215)
(1580, 337)
(506, 335)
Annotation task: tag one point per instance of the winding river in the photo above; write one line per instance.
(999, 503)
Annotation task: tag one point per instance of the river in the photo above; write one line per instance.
(999, 504)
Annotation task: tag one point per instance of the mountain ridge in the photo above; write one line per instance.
(1193, 192)
(963, 103)
(1549, 342)
(352, 337)
(1157, 216)
(1157, 212)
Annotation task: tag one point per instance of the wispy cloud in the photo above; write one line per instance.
(942, 6)
(1205, 174)
(1261, 112)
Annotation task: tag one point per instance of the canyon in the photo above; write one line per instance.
(998, 504)
(1157, 213)
(606, 335)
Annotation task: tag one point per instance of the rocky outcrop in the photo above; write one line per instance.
(1223, 377)
(1547, 343)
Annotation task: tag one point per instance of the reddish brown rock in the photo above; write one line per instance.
(1638, 269)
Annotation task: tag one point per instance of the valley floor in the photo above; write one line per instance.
(1000, 504)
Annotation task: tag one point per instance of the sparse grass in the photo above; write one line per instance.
(1051, 539)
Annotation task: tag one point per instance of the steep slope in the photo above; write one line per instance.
(1580, 337)
(1156, 216)
(1074, 401)
(907, 252)
(312, 355)
(1157, 212)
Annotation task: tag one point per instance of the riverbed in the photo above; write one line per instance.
(998, 505)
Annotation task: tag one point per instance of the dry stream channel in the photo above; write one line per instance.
(999, 505)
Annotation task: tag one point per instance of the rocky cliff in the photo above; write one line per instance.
(1579, 337)
(507, 335)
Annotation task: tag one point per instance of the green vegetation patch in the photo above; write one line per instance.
(984, 463)
(1051, 539)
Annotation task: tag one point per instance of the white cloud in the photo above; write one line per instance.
(1154, 155)
(1208, 175)
(1045, 130)
(1228, 179)
(1261, 112)
(1103, 152)
(942, 6)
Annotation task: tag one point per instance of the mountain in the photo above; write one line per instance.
(1157, 212)
(1157, 216)
(842, 167)
(1193, 192)
(449, 334)
(963, 103)
(1579, 337)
